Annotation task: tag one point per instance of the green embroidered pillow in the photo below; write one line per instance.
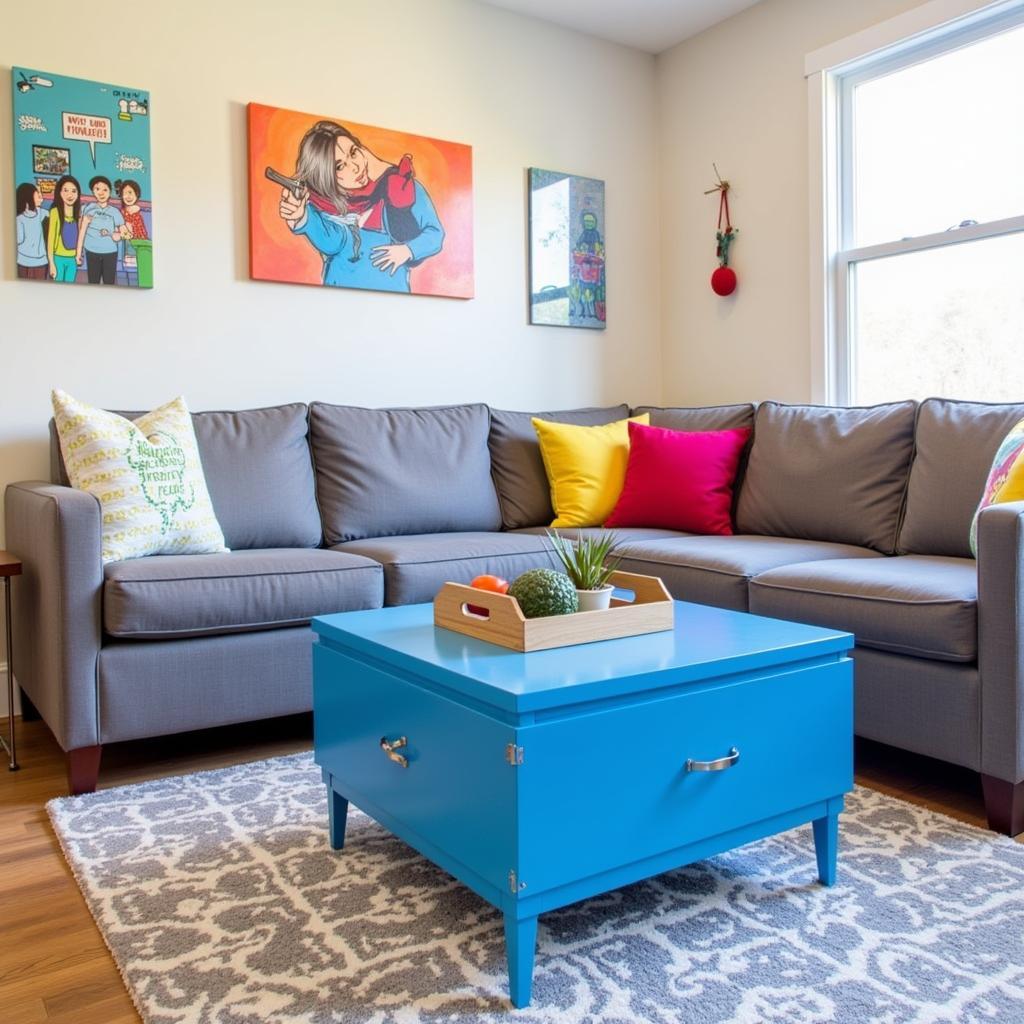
(146, 475)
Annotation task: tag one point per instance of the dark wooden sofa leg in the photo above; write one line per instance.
(1004, 805)
(84, 769)
(28, 709)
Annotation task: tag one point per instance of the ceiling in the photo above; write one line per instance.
(651, 25)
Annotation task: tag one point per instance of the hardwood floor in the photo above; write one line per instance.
(54, 966)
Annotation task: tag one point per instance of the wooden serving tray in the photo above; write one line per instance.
(651, 611)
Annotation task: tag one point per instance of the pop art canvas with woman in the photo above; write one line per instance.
(336, 203)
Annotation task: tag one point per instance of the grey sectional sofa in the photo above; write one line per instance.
(851, 518)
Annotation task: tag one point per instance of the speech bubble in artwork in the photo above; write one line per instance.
(86, 128)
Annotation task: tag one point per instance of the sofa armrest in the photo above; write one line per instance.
(1001, 639)
(57, 605)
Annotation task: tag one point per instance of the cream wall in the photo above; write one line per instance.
(521, 92)
(736, 95)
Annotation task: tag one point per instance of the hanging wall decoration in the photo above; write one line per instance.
(82, 180)
(347, 205)
(723, 280)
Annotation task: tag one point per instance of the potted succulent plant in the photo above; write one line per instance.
(587, 564)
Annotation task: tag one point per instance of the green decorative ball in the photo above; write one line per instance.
(542, 592)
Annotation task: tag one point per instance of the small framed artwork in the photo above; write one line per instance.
(567, 250)
(51, 160)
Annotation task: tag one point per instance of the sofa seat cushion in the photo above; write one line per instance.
(925, 606)
(715, 570)
(196, 595)
(416, 566)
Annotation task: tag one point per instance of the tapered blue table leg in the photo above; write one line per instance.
(520, 943)
(337, 813)
(826, 847)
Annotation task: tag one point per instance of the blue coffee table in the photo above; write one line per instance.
(541, 779)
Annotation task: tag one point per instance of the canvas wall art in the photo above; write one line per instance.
(82, 181)
(567, 250)
(336, 203)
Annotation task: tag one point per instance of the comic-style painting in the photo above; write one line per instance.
(567, 250)
(82, 181)
(347, 205)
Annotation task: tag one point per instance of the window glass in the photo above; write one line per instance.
(947, 321)
(940, 142)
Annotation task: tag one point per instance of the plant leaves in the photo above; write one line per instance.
(586, 561)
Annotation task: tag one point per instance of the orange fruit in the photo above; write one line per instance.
(493, 583)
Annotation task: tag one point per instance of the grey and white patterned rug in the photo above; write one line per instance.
(223, 904)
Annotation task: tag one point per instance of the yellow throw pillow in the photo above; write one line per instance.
(586, 467)
(146, 475)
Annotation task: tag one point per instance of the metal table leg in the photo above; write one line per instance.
(9, 744)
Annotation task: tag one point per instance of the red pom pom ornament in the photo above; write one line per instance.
(723, 281)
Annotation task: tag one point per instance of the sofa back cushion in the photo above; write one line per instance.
(955, 445)
(517, 466)
(258, 471)
(826, 473)
(700, 419)
(387, 472)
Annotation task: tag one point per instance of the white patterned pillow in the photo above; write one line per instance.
(146, 474)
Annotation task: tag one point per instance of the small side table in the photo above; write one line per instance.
(9, 566)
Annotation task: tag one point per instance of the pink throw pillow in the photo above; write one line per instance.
(679, 480)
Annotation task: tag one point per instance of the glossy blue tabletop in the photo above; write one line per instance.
(706, 643)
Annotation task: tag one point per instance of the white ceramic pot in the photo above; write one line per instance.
(595, 600)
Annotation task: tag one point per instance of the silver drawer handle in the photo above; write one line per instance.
(714, 766)
(390, 748)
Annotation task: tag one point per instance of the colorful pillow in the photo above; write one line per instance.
(1005, 478)
(146, 475)
(585, 468)
(680, 480)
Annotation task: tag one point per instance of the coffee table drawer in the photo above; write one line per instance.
(457, 791)
(613, 787)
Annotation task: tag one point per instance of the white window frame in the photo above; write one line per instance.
(832, 74)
